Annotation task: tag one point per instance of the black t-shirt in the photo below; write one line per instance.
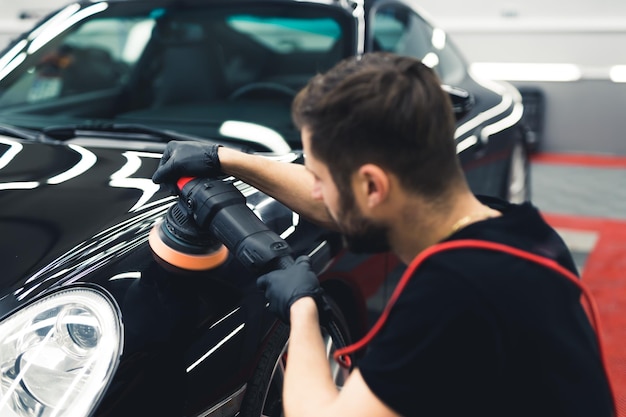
(484, 333)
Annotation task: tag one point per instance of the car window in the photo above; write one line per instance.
(100, 53)
(400, 30)
(95, 56)
(288, 35)
(298, 46)
(191, 69)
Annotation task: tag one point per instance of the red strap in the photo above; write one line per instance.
(342, 355)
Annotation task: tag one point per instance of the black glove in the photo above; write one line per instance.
(283, 287)
(187, 159)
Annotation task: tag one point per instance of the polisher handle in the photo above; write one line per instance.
(220, 207)
(284, 262)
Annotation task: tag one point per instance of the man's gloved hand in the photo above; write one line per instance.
(283, 287)
(187, 159)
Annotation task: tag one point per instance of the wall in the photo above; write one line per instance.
(586, 114)
(17, 16)
(525, 8)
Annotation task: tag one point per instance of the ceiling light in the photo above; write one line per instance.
(527, 71)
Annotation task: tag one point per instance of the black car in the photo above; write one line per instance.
(92, 322)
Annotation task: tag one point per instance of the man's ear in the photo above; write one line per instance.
(373, 185)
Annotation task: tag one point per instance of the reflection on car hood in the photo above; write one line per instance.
(69, 206)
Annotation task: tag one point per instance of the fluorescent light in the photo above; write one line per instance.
(527, 71)
(618, 73)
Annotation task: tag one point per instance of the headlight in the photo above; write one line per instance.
(58, 354)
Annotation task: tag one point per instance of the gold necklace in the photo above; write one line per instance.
(464, 221)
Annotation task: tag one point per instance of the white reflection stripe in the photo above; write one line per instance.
(263, 203)
(487, 114)
(126, 275)
(9, 56)
(510, 96)
(502, 124)
(318, 248)
(225, 317)
(121, 178)
(295, 220)
(59, 17)
(210, 352)
(14, 148)
(10, 66)
(29, 185)
(466, 143)
(53, 30)
(288, 232)
(255, 133)
(24, 294)
(87, 161)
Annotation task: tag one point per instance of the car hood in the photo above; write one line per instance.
(65, 208)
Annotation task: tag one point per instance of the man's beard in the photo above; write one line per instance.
(360, 235)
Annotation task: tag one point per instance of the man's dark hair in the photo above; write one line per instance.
(385, 109)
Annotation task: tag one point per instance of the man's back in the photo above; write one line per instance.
(484, 333)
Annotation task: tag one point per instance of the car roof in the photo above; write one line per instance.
(345, 4)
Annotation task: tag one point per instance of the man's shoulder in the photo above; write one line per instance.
(471, 276)
(522, 227)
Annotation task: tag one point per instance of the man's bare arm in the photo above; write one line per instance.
(309, 388)
(291, 184)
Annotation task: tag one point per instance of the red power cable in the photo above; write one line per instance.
(342, 355)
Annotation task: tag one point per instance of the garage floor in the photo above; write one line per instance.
(584, 198)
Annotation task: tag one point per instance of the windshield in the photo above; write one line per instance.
(188, 68)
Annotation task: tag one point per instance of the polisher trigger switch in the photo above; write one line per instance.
(182, 181)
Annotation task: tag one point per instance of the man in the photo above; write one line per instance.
(475, 332)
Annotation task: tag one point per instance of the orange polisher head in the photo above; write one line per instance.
(185, 255)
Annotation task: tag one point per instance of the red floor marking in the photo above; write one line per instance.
(600, 161)
(605, 276)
